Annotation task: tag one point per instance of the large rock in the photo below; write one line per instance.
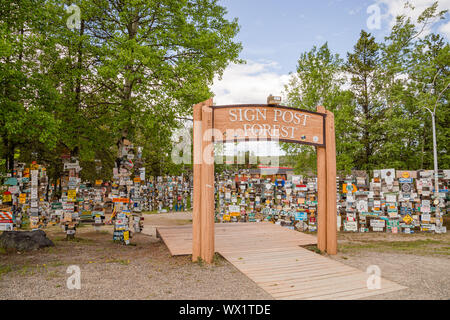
(24, 240)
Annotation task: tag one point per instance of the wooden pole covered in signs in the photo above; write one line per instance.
(321, 195)
(207, 185)
(196, 212)
(331, 184)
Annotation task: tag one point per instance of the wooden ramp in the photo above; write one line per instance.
(271, 256)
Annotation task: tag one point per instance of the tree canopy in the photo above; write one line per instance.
(379, 95)
(125, 69)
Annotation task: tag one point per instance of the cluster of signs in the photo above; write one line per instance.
(291, 203)
(127, 194)
(393, 201)
(170, 193)
(69, 206)
(23, 197)
(388, 201)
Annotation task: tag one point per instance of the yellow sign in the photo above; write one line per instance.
(349, 187)
(137, 180)
(405, 174)
(7, 198)
(226, 217)
(72, 195)
(126, 235)
(98, 182)
(22, 198)
(408, 219)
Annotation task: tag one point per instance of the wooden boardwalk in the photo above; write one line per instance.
(273, 258)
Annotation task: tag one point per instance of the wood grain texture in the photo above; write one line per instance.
(256, 122)
(196, 211)
(273, 258)
(207, 186)
(321, 195)
(331, 185)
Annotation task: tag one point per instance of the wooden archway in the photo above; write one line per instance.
(283, 123)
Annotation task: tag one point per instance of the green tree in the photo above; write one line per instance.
(414, 71)
(363, 67)
(157, 58)
(319, 80)
(27, 95)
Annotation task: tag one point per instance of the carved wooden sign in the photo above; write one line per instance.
(257, 122)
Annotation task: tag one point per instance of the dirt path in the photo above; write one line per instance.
(151, 221)
(419, 261)
(114, 271)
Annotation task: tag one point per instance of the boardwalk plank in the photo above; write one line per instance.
(273, 258)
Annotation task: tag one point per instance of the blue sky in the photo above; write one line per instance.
(281, 30)
(275, 33)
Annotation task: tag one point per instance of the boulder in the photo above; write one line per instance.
(25, 240)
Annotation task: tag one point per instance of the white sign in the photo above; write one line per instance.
(234, 208)
(6, 226)
(68, 165)
(377, 224)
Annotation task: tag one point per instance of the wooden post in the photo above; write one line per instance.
(330, 151)
(196, 211)
(207, 185)
(321, 195)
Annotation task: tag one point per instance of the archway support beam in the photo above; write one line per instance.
(204, 207)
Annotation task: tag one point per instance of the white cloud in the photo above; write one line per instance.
(445, 29)
(246, 84)
(249, 83)
(397, 7)
(354, 11)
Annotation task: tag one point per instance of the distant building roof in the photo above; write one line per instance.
(271, 170)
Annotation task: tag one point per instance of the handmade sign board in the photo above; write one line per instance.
(253, 122)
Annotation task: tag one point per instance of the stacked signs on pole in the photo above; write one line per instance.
(126, 192)
(69, 201)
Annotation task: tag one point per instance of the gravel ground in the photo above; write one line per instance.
(114, 271)
(420, 262)
(145, 270)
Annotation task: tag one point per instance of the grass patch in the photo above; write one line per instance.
(76, 239)
(217, 260)
(200, 261)
(150, 212)
(52, 275)
(427, 246)
(4, 269)
(119, 261)
(56, 264)
(313, 248)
